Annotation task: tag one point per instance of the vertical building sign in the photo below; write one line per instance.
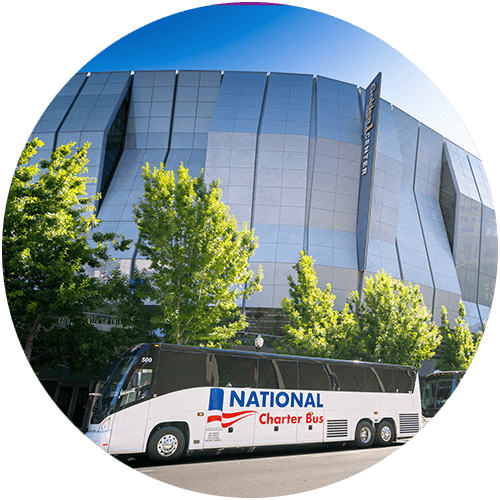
(368, 145)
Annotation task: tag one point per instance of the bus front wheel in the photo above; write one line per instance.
(365, 434)
(166, 444)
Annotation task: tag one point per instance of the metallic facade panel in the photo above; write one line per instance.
(287, 151)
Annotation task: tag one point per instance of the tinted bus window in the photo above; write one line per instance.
(313, 377)
(268, 378)
(379, 379)
(287, 374)
(330, 368)
(350, 378)
(404, 381)
(182, 370)
(234, 371)
(372, 381)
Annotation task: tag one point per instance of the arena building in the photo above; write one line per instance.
(309, 162)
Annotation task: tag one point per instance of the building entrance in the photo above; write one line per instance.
(70, 396)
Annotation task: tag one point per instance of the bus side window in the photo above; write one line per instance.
(181, 370)
(404, 381)
(350, 378)
(268, 378)
(287, 374)
(379, 379)
(278, 374)
(373, 382)
(313, 377)
(329, 367)
(234, 371)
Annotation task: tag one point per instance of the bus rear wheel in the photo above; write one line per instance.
(365, 434)
(166, 444)
(385, 433)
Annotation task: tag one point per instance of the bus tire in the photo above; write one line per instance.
(166, 444)
(365, 434)
(385, 433)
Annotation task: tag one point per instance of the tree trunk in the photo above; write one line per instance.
(31, 338)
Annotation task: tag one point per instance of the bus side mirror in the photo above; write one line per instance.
(136, 379)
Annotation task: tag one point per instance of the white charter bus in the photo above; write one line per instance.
(165, 400)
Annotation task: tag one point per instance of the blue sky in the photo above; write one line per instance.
(280, 38)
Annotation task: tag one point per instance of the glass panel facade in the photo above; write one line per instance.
(286, 149)
(91, 116)
(466, 228)
(146, 140)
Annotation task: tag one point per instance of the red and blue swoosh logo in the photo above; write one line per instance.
(215, 406)
(228, 419)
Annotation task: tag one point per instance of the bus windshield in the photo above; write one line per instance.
(437, 389)
(437, 392)
(118, 390)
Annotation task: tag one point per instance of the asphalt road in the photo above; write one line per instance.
(265, 473)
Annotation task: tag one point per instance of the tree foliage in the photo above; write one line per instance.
(459, 345)
(393, 322)
(314, 328)
(45, 250)
(122, 298)
(199, 266)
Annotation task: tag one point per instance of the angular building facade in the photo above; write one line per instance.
(288, 150)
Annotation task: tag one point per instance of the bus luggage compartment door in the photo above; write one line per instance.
(310, 426)
(276, 427)
(229, 430)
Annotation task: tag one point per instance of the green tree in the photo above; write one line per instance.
(393, 322)
(459, 345)
(46, 250)
(314, 328)
(123, 299)
(199, 259)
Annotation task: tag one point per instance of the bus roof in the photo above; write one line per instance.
(444, 374)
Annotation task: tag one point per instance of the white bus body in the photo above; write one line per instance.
(215, 417)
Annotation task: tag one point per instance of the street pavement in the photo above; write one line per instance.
(265, 473)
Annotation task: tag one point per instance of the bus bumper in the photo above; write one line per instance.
(100, 439)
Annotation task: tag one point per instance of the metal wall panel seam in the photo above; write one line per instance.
(56, 134)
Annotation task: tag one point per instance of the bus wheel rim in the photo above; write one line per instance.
(365, 435)
(167, 445)
(385, 433)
